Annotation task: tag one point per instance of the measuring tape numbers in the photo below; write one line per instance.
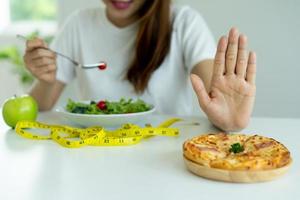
(70, 137)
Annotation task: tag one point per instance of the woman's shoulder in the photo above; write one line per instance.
(185, 15)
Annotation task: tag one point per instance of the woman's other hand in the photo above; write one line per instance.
(231, 97)
(40, 61)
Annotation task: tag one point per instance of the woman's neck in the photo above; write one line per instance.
(121, 23)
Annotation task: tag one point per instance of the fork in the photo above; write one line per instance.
(101, 65)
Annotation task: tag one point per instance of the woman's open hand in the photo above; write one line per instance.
(230, 101)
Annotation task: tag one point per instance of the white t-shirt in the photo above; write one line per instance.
(89, 37)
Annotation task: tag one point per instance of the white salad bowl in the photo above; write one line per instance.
(106, 120)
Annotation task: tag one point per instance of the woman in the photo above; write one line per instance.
(152, 48)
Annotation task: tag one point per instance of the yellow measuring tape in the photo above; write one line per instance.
(72, 137)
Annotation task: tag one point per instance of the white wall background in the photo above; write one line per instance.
(273, 29)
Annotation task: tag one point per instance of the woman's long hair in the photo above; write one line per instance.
(152, 42)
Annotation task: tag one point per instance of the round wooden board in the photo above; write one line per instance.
(235, 176)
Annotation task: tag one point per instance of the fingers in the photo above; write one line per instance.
(39, 61)
(47, 69)
(242, 58)
(39, 71)
(232, 50)
(251, 69)
(49, 77)
(232, 57)
(35, 43)
(43, 61)
(35, 60)
(200, 91)
(219, 63)
(35, 49)
(40, 53)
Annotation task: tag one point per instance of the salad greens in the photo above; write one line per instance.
(108, 107)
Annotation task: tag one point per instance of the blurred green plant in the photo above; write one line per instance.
(13, 55)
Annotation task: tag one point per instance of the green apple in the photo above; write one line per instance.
(19, 108)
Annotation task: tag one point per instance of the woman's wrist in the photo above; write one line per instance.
(231, 125)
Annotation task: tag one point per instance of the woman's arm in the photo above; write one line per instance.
(204, 70)
(46, 94)
(226, 87)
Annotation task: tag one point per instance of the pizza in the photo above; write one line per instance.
(236, 152)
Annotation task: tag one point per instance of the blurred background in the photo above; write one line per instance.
(272, 26)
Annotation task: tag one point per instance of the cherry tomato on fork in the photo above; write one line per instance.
(102, 66)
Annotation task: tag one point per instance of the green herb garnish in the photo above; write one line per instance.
(108, 107)
(236, 148)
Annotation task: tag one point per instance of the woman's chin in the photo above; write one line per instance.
(121, 19)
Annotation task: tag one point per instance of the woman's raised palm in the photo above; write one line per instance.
(229, 103)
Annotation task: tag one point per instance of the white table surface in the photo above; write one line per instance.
(153, 169)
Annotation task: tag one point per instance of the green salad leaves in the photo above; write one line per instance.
(108, 107)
